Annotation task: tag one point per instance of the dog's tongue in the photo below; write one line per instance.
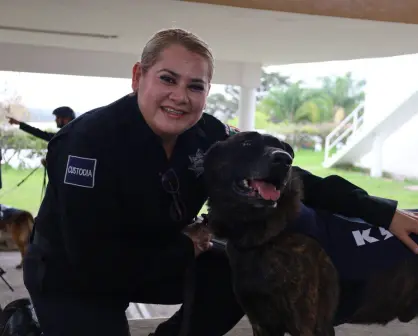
(266, 190)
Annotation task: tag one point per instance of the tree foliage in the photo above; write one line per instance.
(14, 143)
(296, 103)
(225, 106)
(289, 108)
(346, 92)
(292, 108)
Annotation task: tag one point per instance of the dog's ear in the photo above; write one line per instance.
(288, 149)
(214, 161)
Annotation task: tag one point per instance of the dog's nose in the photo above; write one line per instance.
(279, 156)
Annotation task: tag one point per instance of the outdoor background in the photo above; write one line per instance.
(303, 112)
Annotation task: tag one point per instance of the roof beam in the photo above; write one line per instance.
(402, 11)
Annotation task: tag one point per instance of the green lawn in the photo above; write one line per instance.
(312, 161)
(27, 196)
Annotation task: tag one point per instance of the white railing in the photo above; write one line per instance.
(137, 311)
(344, 132)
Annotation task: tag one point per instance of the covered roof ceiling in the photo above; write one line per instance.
(404, 11)
(104, 37)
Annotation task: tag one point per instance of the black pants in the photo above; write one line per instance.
(215, 310)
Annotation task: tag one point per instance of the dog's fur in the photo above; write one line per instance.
(284, 280)
(19, 226)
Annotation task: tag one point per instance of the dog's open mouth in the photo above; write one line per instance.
(259, 188)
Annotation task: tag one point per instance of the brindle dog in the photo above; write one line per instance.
(284, 279)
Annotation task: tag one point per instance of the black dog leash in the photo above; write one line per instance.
(217, 243)
(43, 184)
(2, 272)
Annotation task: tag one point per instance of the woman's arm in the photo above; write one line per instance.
(334, 193)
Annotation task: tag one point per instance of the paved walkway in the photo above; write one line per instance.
(141, 327)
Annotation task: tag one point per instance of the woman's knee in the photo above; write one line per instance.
(213, 269)
(213, 260)
(75, 316)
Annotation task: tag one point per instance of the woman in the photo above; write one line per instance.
(124, 182)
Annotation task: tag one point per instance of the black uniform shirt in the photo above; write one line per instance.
(110, 205)
(47, 136)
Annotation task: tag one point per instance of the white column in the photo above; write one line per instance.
(246, 112)
(250, 75)
(376, 169)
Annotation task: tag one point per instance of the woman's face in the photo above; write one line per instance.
(172, 93)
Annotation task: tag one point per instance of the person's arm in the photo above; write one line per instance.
(47, 136)
(335, 194)
(106, 243)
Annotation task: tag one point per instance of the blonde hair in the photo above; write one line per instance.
(165, 38)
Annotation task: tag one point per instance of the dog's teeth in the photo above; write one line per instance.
(246, 183)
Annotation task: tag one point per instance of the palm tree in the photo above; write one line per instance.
(296, 104)
(345, 92)
(225, 106)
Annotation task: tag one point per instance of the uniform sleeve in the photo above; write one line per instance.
(47, 136)
(101, 242)
(335, 194)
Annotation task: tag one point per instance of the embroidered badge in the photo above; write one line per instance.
(231, 130)
(80, 171)
(197, 162)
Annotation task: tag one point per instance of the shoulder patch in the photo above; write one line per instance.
(231, 130)
(80, 171)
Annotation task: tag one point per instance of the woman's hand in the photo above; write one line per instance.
(403, 224)
(200, 235)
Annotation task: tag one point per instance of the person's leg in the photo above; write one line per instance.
(62, 314)
(215, 310)
(69, 316)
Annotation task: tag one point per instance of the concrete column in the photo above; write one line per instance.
(250, 74)
(247, 105)
(376, 169)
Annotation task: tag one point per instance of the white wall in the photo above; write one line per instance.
(389, 84)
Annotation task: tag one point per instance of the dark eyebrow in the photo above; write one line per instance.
(176, 75)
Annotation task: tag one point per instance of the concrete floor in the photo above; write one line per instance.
(142, 327)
